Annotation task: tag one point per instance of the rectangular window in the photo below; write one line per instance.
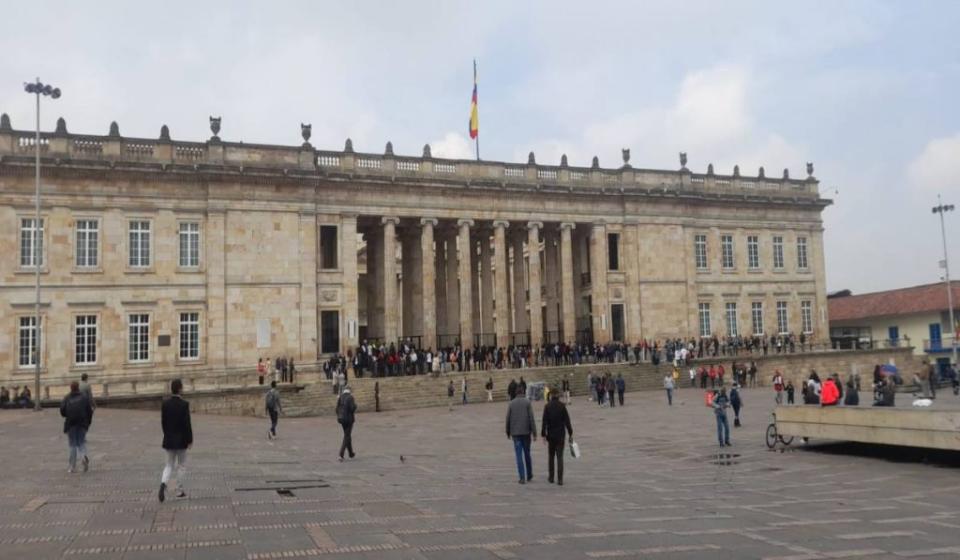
(700, 251)
(732, 327)
(88, 233)
(756, 314)
(138, 337)
(329, 332)
(139, 243)
(616, 321)
(726, 251)
(190, 336)
(613, 251)
(777, 252)
(782, 324)
(28, 342)
(189, 244)
(705, 329)
(753, 252)
(328, 247)
(806, 315)
(802, 253)
(85, 344)
(31, 256)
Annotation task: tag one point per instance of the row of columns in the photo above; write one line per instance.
(445, 273)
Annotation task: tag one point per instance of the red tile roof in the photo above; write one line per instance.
(903, 301)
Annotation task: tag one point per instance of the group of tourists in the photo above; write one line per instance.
(521, 428)
(606, 388)
(16, 397)
(281, 369)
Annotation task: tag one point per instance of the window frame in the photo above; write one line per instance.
(728, 258)
(806, 316)
(323, 339)
(81, 237)
(198, 235)
(190, 322)
(756, 317)
(753, 252)
(140, 265)
(131, 341)
(21, 243)
(704, 319)
(87, 343)
(35, 342)
(731, 319)
(778, 261)
(323, 247)
(803, 259)
(613, 253)
(700, 259)
(783, 321)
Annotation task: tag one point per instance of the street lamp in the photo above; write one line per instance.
(940, 208)
(38, 88)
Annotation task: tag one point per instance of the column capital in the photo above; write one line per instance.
(432, 221)
(390, 219)
(534, 225)
(501, 224)
(567, 225)
(464, 222)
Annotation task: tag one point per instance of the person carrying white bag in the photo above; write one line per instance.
(554, 429)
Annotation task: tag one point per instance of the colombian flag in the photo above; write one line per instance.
(474, 116)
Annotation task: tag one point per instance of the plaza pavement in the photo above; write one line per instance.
(649, 485)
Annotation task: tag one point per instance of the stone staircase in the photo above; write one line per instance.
(421, 391)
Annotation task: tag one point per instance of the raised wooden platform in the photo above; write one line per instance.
(932, 428)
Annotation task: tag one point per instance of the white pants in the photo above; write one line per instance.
(489, 396)
(176, 458)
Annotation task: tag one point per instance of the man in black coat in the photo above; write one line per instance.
(177, 437)
(554, 429)
(77, 412)
(346, 409)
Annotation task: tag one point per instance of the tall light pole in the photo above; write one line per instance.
(38, 88)
(940, 208)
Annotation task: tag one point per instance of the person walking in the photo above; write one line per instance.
(778, 386)
(77, 413)
(450, 392)
(512, 389)
(554, 427)
(565, 387)
(87, 390)
(463, 390)
(720, 403)
(621, 387)
(489, 388)
(521, 427)
(274, 408)
(790, 392)
(177, 438)
(668, 386)
(611, 389)
(736, 403)
(852, 397)
(346, 414)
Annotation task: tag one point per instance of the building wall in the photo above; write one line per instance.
(916, 327)
(260, 208)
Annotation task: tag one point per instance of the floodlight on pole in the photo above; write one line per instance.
(942, 208)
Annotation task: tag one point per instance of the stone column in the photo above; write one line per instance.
(466, 283)
(390, 322)
(428, 284)
(631, 264)
(520, 322)
(598, 284)
(475, 304)
(440, 285)
(567, 297)
(217, 331)
(375, 282)
(309, 315)
(350, 320)
(551, 280)
(453, 285)
(535, 299)
(500, 273)
(411, 303)
(486, 284)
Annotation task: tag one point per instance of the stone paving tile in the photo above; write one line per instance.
(651, 484)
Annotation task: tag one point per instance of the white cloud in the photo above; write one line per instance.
(453, 146)
(937, 168)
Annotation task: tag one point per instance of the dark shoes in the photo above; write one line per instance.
(181, 494)
(559, 483)
(163, 491)
(522, 481)
(550, 480)
(86, 463)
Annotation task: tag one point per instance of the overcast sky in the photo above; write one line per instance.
(868, 91)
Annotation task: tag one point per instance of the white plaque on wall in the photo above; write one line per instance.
(263, 333)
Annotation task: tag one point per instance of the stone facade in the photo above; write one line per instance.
(303, 252)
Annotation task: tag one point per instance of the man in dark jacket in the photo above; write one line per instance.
(77, 414)
(521, 426)
(512, 389)
(346, 408)
(553, 429)
(177, 438)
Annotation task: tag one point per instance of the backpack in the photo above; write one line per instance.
(76, 411)
(271, 400)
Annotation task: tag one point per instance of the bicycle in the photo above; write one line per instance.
(773, 436)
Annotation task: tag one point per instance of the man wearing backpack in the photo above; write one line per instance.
(273, 409)
(177, 438)
(77, 413)
(346, 408)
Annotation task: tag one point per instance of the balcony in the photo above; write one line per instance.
(944, 344)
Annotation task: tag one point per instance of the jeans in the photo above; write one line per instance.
(176, 458)
(521, 448)
(274, 414)
(670, 397)
(610, 397)
(620, 396)
(779, 398)
(347, 444)
(723, 428)
(77, 438)
(555, 449)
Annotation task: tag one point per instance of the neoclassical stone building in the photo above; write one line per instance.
(161, 256)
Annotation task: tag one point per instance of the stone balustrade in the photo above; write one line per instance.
(626, 179)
